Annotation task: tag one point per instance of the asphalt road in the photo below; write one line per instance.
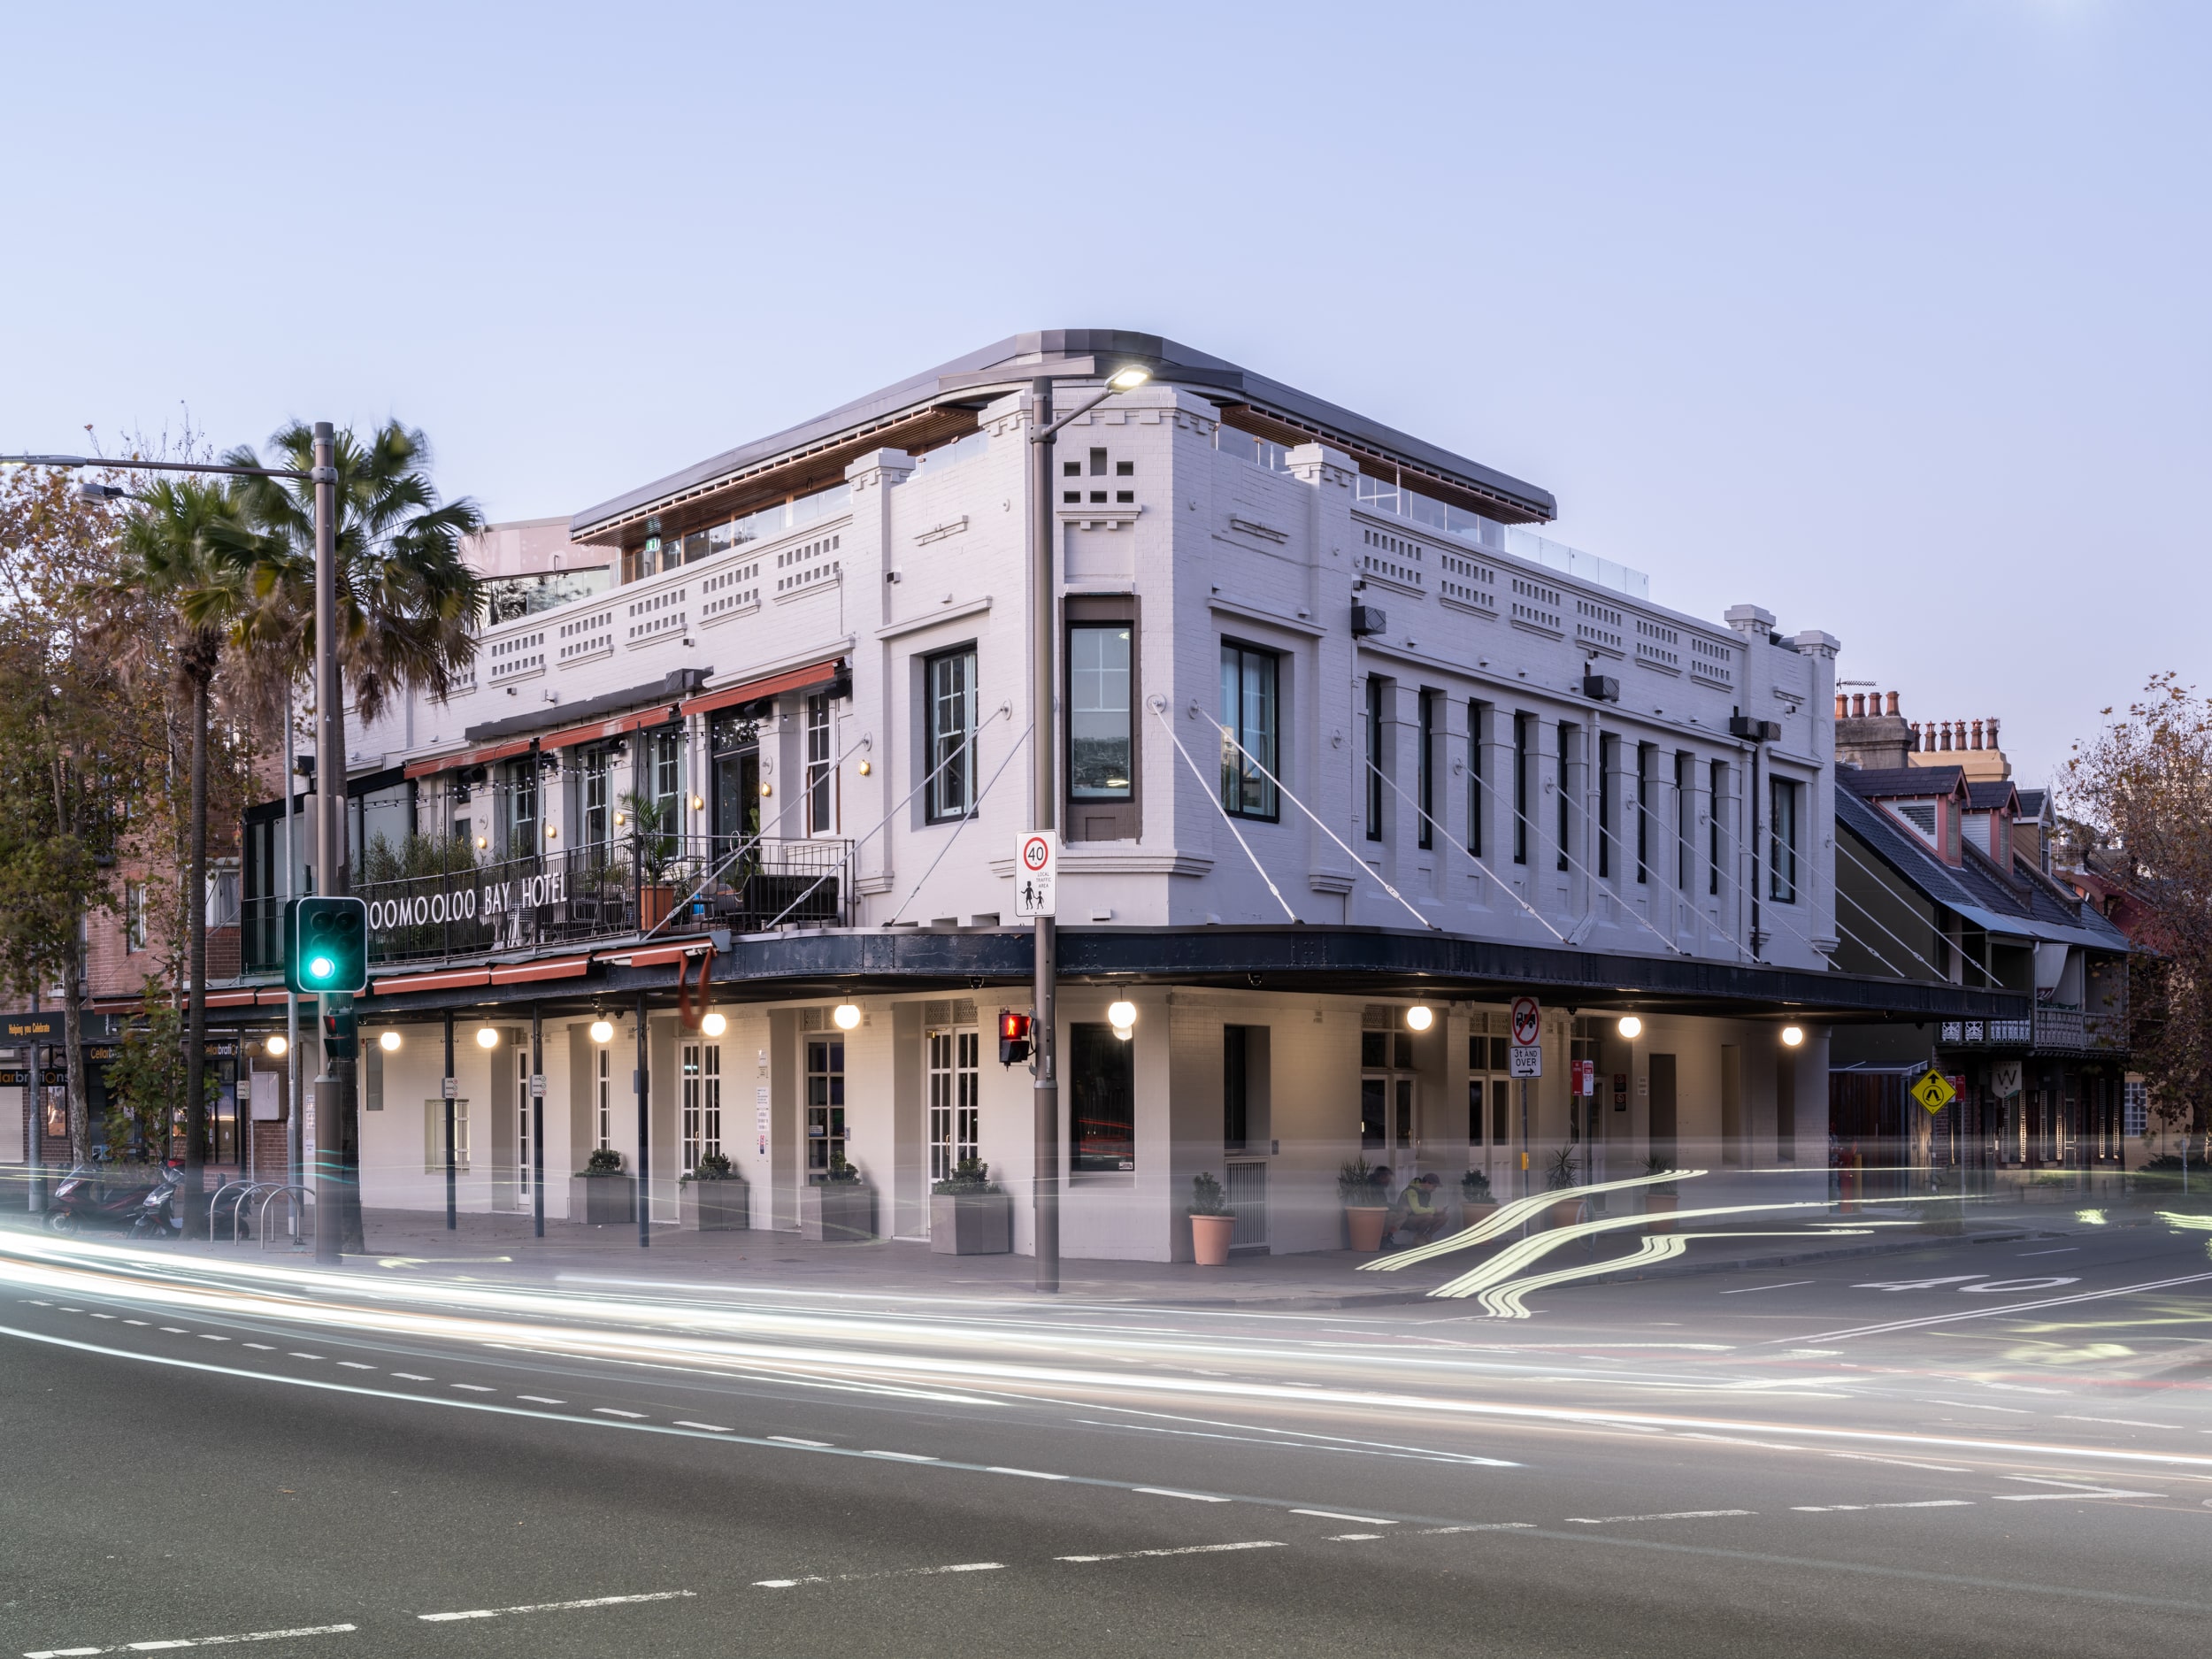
(1997, 1448)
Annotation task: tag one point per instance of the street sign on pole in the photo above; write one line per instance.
(1934, 1091)
(1526, 1049)
(2004, 1079)
(1036, 875)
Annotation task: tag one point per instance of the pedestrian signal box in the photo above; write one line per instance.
(327, 946)
(1013, 1037)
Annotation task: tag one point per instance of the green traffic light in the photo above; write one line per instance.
(322, 967)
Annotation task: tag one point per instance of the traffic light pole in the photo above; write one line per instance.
(1043, 1029)
(330, 848)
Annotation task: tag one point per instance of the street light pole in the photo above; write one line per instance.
(1044, 733)
(330, 848)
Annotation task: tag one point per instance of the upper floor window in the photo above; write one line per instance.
(134, 916)
(1101, 762)
(1251, 730)
(821, 814)
(1782, 797)
(1475, 804)
(949, 692)
(1523, 742)
(1426, 766)
(1376, 689)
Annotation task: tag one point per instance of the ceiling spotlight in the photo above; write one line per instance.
(846, 1015)
(487, 1037)
(1420, 1017)
(389, 1042)
(1792, 1035)
(280, 1044)
(714, 1025)
(602, 1031)
(1632, 1027)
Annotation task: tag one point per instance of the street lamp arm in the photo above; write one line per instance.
(151, 467)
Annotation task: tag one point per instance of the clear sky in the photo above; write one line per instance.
(1890, 316)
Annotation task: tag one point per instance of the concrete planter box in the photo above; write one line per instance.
(837, 1210)
(971, 1223)
(716, 1206)
(602, 1200)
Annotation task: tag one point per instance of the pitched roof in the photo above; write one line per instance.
(1996, 796)
(1893, 782)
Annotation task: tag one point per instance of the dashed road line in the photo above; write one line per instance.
(1672, 1515)
(793, 1440)
(1032, 1474)
(195, 1641)
(2126, 1423)
(208, 1336)
(1745, 1290)
(471, 1387)
(541, 1399)
(611, 1411)
(1902, 1462)
(1923, 1503)
(1353, 1538)
(903, 1457)
(409, 1376)
(267, 1348)
(711, 1428)
(296, 1354)
(557, 1607)
(1168, 1492)
(1331, 1515)
(355, 1364)
(1186, 1549)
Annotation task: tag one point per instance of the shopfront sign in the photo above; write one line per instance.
(469, 904)
(16, 1028)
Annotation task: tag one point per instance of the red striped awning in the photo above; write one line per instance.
(478, 756)
(555, 968)
(793, 680)
(453, 980)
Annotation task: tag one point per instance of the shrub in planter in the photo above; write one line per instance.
(603, 1194)
(970, 1214)
(1211, 1221)
(1659, 1200)
(1564, 1174)
(713, 1197)
(838, 1204)
(1476, 1199)
(1364, 1188)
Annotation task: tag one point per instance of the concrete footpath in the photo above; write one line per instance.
(495, 1247)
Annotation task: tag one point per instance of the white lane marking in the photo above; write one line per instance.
(711, 1428)
(541, 1399)
(793, 1440)
(296, 1354)
(1186, 1549)
(409, 1376)
(610, 1411)
(2074, 1489)
(209, 1337)
(195, 1641)
(1975, 1405)
(903, 1572)
(466, 1387)
(35, 1303)
(1032, 1474)
(137, 1321)
(103, 1316)
(1931, 1503)
(2017, 1306)
(1331, 1515)
(1484, 1526)
(784, 1584)
(174, 1330)
(1351, 1538)
(556, 1606)
(355, 1364)
(1737, 1439)
(267, 1348)
(902, 1457)
(2126, 1423)
(1902, 1463)
(1672, 1515)
(2063, 1249)
(1168, 1492)
(1746, 1289)
(1823, 1508)
(72, 1310)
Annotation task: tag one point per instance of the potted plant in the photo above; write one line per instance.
(1211, 1221)
(1363, 1189)
(1563, 1176)
(1659, 1200)
(1477, 1201)
(603, 1194)
(712, 1198)
(970, 1214)
(653, 846)
(838, 1204)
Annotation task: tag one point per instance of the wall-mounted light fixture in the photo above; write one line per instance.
(846, 1015)
(1632, 1027)
(714, 1025)
(487, 1037)
(389, 1042)
(1420, 1017)
(1123, 1017)
(279, 1045)
(602, 1031)
(1792, 1035)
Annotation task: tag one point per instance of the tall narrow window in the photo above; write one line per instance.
(1521, 758)
(1101, 764)
(521, 828)
(1426, 769)
(954, 1088)
(1375, 694)
(602, 1105)
(1236, 1095)
(1101, 1101)
(1645, 754)
(134, 916)
(594, 790)
(1476, 804)
(1720, 782)
(1781, 801)
(1566, 769)
(824, 1103)
(1684, 815)
(950, 692)
(1609, 763)
(821, 814)
(1251, 731)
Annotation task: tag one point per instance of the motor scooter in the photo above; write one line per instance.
(80, 1201)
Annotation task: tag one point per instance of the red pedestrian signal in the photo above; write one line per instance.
(1013, 1037)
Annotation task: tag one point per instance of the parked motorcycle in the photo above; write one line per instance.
(80, 1201)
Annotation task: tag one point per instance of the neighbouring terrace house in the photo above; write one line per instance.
(1339, 735)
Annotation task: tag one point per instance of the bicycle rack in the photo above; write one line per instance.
(244, 1190)
(297, 1196)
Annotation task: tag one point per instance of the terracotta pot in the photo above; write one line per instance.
(1471, 1214)
(1364, 1225)
(1657, 1204)
(1564, 1212)
(1209, 1239)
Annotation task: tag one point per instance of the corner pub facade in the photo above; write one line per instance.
(780, 768)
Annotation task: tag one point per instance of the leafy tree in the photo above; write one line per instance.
(2143, 788)
(146, 1079)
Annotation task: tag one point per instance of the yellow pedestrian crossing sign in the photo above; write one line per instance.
(1934, 1091)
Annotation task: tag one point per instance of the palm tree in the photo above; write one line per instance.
(186, 550)
(408, 606)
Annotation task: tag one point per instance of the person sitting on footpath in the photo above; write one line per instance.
(1416, 1219)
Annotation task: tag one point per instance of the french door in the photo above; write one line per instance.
(954, 1087)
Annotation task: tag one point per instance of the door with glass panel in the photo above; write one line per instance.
(1493, 1143)
(1388, 1095)
(954, 1087)
(701, 1118)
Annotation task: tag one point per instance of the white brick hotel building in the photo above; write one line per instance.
(787, 756)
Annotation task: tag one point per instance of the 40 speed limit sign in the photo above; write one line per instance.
(1037, 874)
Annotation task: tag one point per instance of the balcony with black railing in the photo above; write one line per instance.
(439, 904)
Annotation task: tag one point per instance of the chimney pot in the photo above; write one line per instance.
(1843, 704)
(1858, 704)
(1992, 731)
(1977, 734)
(1892, 702)
(1944, 743)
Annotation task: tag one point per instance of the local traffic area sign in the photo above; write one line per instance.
(1037, 874)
